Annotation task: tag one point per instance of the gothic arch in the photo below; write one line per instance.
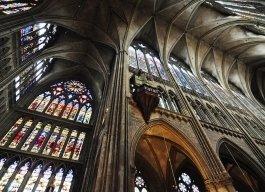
(157, 128)
(242, 168)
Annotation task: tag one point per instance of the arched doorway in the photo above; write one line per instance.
(166, 161)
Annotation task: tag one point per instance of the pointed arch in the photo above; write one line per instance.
(158, 129)
(245, 171)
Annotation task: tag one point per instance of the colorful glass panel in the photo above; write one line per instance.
(68, 181)
(31, 137)
(52, 106)
(75, 87)
(78, 146)
(2, 162)
(35, 37)
(10, 7)
(69, 100)
(44, 103)
(70, 145)
(44, 180)
(58, 179)
(11, 132)
(36, 102)
(51, 142)
(146, 59)
(20, 135)
(15, 184)
(29, 77)
(88, 115)
(81, 114)
(152, 65)
(58, 145)
(160, 68)
(9, 172)
(41, 138)
(74, 112)
(67, 110)
(175, 76)
(59, 108)
(33, 179)
(181, 77)
(186, 183)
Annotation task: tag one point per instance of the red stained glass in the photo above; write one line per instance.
(69, 100)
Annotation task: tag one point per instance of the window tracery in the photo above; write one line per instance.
(144, 58)
(67, 99)
(174, 102)
(186, 184)
(46, 139)
(163, 100)
(30, 76)
(36, 37)
(139, 182)
(38, 178)
(11, 6)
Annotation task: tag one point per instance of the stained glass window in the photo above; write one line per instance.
(29, 176)
(30, 76)
(20, 135)
(11, 6)
(33, 178)
(8, 173)
(164, 100)
(44, 180)
(58, 179)
(78, 146)
(184, 77)
(69, 99)
(70, 145)
(35, 37)
(11, 132)
(186, 184)
(144, 58)
(2, 162)
(139, 183)
(219, 91)
(17, 181)
(37, 137)
(174, 102)
(68, 181)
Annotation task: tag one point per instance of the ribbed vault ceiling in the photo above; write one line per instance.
(208, 35)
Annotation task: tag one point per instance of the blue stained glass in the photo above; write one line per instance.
(181, 77)
(35, 37)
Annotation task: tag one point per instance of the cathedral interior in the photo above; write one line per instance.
(132, 95)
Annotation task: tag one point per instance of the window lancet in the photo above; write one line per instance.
(219, 91)
(10, 6)
(68, 99)
(142, 57)
(36, 37)
(184, 77)
(38, 178)
(30, 76)
(38, 138)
